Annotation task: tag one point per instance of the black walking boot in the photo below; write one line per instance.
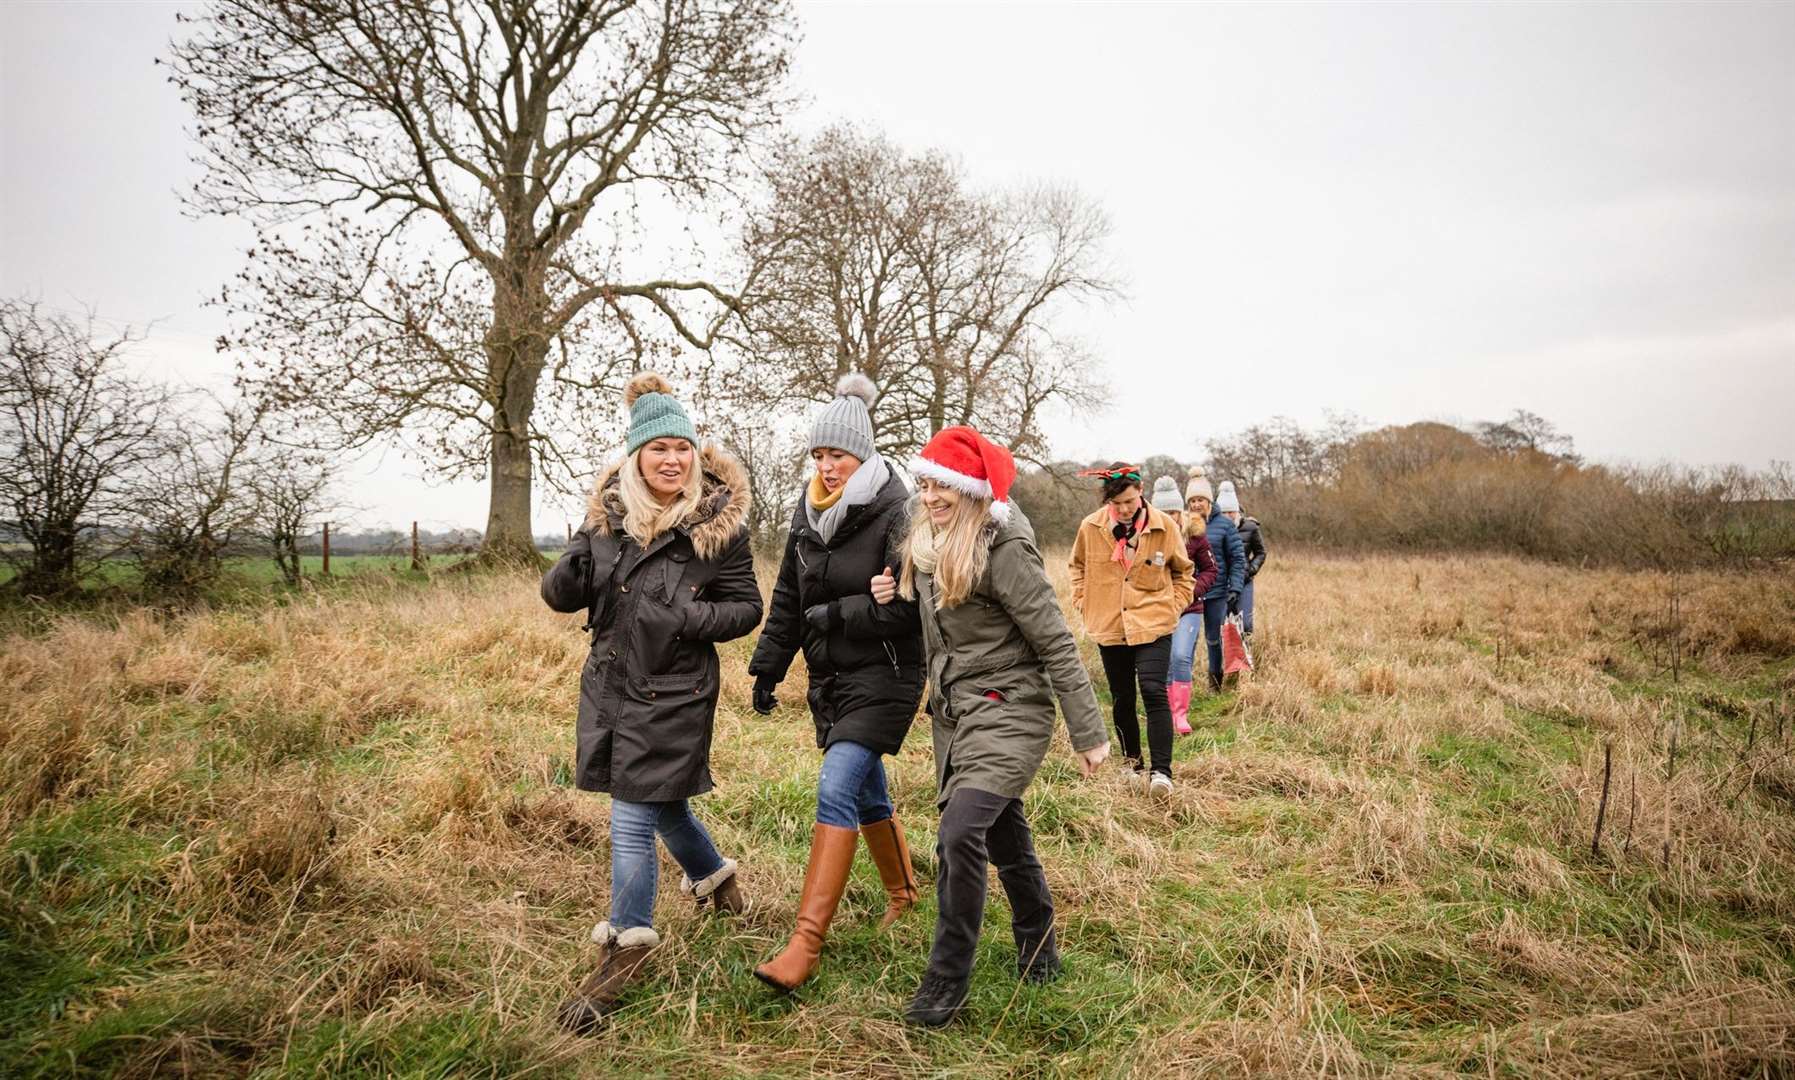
(937, 1001)
(1038, 962)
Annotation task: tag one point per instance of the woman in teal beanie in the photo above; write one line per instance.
(663, 570)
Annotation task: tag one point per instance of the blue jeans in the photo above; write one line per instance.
(850, 789)
(1246, 609)
(1184, 646)
(634, 869)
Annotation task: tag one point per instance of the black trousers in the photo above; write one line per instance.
(979, 829)
(1123, 666)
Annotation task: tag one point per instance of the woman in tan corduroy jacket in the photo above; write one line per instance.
(1131, 578)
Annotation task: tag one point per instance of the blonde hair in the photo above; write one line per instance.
(644, 517)
(959, 552)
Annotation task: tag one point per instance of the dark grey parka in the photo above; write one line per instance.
(648, 691)
(996, 662)
(866, 670)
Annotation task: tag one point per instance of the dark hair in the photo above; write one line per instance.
(1119, 477)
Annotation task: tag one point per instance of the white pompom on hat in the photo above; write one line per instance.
(1199, 485)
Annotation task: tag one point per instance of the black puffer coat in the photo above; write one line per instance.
(648, 691)
(866, 672)
(1253, 544)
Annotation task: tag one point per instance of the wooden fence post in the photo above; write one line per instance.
(417, 563)
(1595, 843)
(326, 570)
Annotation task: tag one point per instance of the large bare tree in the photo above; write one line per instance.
(873, 259)
(448, 196)
(77, 431)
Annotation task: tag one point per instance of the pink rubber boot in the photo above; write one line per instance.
(1180, 695)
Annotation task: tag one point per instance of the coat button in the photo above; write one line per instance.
(626, 588)
(612, 655)
(651, 694)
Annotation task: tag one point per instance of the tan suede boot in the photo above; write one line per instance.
(720, 892)
(891, 854)
(620, 965)
(831, 854)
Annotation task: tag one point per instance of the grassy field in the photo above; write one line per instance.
(335, 836)
(247, 571)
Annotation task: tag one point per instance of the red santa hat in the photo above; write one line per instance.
(971, 464)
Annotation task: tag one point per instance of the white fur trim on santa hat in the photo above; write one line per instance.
(960, 482)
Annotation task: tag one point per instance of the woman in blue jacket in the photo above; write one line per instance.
(1223, 598)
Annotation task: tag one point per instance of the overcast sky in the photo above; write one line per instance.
(1403, 212)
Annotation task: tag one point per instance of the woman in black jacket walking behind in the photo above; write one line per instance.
(662, 568)
(864, 660)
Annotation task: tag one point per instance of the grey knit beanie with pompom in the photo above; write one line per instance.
(847, 422)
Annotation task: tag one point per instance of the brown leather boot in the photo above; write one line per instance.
(619, 965)
(831, 854)
(885, 842)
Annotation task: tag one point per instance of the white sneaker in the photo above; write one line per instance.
(1161, 784)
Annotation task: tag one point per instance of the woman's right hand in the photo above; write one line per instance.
(884, 587)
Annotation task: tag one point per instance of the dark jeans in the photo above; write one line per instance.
(1123, 666)
(978, 829)
(1246, 610)
(1215, 612)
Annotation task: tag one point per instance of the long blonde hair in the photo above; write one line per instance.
(644, 518)
(956, 555)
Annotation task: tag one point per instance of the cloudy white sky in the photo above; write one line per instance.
(1401, 211)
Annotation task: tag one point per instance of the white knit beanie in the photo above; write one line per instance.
(1165, 495)
(1225, 499)
(1199, 485)
(847, 423)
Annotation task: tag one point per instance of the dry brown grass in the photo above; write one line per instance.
(335, 836)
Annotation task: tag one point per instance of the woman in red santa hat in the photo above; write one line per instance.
(999, 652)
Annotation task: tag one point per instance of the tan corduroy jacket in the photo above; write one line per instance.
(1142, 604)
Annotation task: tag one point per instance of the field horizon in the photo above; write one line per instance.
(336, 835)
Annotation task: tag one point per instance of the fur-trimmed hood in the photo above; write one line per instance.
(722, 507)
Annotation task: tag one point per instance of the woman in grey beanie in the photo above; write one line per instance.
(864, 660)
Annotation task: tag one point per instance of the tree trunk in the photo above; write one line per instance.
(516, 360)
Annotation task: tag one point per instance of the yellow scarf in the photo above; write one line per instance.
(821, 498)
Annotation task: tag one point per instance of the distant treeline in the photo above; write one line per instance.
(1514, 486)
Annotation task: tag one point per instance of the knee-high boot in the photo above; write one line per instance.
(1179, 692)
(885, 843)
(831, 855)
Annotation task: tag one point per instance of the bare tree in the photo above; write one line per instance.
(289, 489)
(448, 194)
(1526, 431)
(196, 505)
(74, 431)
(867, 258)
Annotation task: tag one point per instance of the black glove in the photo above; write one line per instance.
(816, 616)
(764, 701)
(1233, 603)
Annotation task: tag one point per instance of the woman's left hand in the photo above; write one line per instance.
(1088, 760)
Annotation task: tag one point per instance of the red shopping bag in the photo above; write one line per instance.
(1235, 659)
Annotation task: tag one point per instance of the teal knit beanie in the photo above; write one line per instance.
(654, 413)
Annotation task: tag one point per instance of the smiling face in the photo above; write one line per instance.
(833, 467)
(1126, 504)
(1199, 506)
(938, 499)
(666, 465)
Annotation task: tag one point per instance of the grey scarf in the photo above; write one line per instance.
(866, 483)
